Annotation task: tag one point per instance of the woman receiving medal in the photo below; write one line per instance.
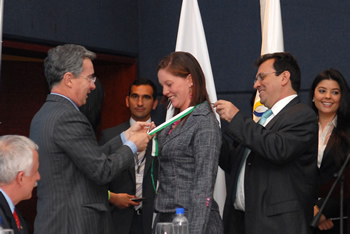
(189, 148)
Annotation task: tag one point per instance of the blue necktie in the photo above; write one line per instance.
(264, 117)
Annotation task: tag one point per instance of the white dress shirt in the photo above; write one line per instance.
(323, 137)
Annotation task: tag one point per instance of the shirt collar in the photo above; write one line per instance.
(67, 99)
(335, 121)
(332, 123)
(282, 103)
(9, 201)
(132, 121)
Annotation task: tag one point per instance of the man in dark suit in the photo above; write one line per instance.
(73, 192)
(19, 166)
(129, 216)
(272, 173)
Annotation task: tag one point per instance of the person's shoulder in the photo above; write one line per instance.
(299, 112)
(203, 109)
(118, 128)
(302, 107)
(109, 133)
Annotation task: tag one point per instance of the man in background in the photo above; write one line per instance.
(73, 193)
(19, 166)
(141, 178)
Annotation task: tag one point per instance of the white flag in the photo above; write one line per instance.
(272, 39)
(191, 38)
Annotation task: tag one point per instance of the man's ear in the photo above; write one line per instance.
(285, 77)
(155, 103)
(127, 103)
(67, 79)
(19, 177)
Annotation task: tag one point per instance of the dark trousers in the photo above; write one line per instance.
(136, 226)
(236, 223)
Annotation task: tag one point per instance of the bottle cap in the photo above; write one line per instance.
(180, 211)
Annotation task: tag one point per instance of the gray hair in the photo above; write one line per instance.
(63, 59)
(16, 154)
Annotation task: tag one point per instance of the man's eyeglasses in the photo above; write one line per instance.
(261, 76)
(92, 78)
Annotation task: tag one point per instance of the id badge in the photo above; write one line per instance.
(139, 178)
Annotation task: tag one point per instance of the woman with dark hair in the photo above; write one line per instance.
(189, 148)
(330, 99)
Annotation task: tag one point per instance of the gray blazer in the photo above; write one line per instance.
(72, 192)
(188, 160)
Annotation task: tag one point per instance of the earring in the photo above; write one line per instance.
(313, 100)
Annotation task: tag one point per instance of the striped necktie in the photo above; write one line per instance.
(139, 170)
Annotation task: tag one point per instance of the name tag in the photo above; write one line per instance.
(139, 178)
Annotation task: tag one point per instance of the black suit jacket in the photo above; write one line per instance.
(7, 219)
(125, 183)
(327, 171)
(281, 170)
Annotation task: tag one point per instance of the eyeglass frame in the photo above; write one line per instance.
(92, 78)
(261, 78)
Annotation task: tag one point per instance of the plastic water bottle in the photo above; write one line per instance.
(0, 226)
(180, 222)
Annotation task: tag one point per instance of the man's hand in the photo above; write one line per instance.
(138, 134)
(323, 223)
(138, 127)
(226, 110)
(122, 200)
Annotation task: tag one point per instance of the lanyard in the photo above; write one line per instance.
(166, 124)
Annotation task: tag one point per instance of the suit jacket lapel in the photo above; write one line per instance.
(293, 102)
(131, 168)
(327, 156)
(184, 127)
(9, 216)
(149, 157)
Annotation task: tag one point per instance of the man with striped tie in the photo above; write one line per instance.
(140, 179)
(19, 164)
(272, 173)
